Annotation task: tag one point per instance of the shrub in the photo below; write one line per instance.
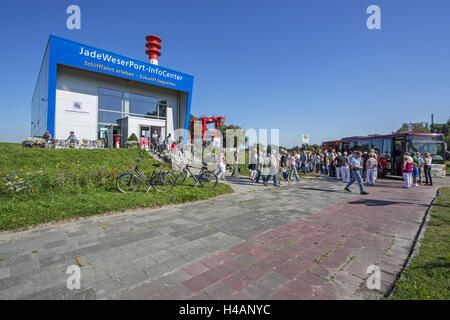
(32, 141)
(133, 137)
(132, 144)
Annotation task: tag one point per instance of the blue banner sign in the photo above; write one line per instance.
(75, 54)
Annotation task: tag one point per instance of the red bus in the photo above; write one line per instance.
(393, 146)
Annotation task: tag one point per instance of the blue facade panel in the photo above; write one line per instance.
(70, 53)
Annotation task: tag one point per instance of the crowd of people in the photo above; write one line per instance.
(349, 167)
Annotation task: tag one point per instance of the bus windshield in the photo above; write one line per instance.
(434, 148)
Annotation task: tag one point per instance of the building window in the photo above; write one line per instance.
(128, 104)
(108, 116)
(143, 105)
(109, 100)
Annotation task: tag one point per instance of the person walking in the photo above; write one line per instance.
(338, 165)
(252, 164)
(304, 160)
(364, 158)
(318, 162)
(222, 166)
(382, 163)
(168, 142)
(421, 163)
(407, 170)
(325, 162)
(427, 169)
(273, 170)
(260, 167)
(293, 166)
(154, 141)
(333, 163)
(235, 173)
(371, 167)
(356, 167)
(345, 169)
(416, 169)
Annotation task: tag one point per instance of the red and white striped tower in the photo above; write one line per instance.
(153, 48)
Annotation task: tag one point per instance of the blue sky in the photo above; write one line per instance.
(301, 66)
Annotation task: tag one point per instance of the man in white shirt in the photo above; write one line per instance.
(273, 169)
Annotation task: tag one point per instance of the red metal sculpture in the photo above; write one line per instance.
(218, 122)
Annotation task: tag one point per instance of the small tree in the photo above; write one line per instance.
(133, 137)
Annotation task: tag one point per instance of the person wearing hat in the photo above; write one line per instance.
(371, 167)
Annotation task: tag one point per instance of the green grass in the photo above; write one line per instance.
(447, 166)
(428, 275)
(69, 183)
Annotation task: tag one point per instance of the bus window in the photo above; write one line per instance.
(435, 149)
(377, 144)
(345, 146)
(387, 147)
(364, 145)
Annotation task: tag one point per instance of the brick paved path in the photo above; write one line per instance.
(308, 240)
(324, 256)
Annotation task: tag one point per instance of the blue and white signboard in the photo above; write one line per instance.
(70, 53)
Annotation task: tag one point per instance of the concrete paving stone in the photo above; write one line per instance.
(195, 268)
(271, 281)
(55, 244)
(219, 291)
(327, 292)
(156, 270)
(143, 262)
(162, 255)
(173, 263)
(76, 234)
(12, 261)
(244, 260)
(292, 268)
(51, 260)
(198, 283)
(212, 262)
(4, 273)
(345, 284)
(237, 282)
(300, 289)
(311, 278)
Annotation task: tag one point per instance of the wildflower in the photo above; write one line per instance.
(16, 177)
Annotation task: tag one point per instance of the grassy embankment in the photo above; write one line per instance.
(44, 185)
(428, 275)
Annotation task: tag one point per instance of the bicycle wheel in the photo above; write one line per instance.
(208, 179)
(163, 182)
(182, 178)
(128, 182)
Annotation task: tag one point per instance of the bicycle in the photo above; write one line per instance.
(206, 178)
(161, 181)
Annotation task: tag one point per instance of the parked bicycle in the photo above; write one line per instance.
(206, 178)
(161, 181)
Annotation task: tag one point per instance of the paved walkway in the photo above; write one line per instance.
(307, 240)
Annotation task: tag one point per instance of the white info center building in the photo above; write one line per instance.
(102, 95)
